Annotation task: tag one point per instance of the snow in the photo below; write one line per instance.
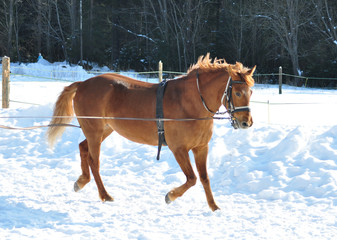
(276, 180)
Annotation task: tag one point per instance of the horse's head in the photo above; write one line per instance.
(237, 95)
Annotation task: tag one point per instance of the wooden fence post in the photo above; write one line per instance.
(160, 72)
(5, 81)
(280, 80)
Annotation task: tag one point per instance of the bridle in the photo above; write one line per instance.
(227, 96)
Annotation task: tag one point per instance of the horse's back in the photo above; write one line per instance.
(112, 91)
(111, 81)
(113, 95)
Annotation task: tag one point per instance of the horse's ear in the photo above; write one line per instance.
(251, 71)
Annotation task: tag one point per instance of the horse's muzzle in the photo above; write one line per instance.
(241, 124)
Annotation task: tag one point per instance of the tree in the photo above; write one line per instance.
(7, 24)
(10, 27)
(286, 20)
(136, 34)
(180, 25)
(326, 19)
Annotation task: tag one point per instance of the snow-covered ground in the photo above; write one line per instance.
(277, 180)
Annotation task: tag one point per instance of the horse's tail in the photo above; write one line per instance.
(63, 108)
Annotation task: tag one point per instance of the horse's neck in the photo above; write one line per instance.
(212, 87)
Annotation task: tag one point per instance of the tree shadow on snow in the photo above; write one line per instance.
(18, 215)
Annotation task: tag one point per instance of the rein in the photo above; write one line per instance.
(227, 95)
(203, 101)
(94, 117)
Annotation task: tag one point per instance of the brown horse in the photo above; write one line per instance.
(108, 98)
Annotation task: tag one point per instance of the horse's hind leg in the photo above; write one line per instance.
(85, 177)
(85, 157)
(94, 163)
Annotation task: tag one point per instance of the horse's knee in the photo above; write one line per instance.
(192, 180)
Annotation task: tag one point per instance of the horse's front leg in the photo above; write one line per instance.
(183, 160)
(200, 155)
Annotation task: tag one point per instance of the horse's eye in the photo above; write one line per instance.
(238, 94)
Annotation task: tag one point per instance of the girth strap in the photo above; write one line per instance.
(159, 115)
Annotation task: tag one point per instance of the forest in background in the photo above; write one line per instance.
(299, 35)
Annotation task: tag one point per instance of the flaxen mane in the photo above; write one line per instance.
(206, 64)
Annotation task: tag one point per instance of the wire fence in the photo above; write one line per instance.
(72, 76)
(295, 80)
(76, 75)
(34, 74)
(62, 74)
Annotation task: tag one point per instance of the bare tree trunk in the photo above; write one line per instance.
(292, 36)
(64, 47)
(81, 35)
(145, 29)
(239, 32)
(71, 4)
(48, 32)
(115, 36)
(176, 31)
(91, 22)
(180, 24)
(10, 28)
(39, 26)
(285, 20)
(16, 31)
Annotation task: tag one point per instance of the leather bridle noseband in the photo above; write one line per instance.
(227, 96)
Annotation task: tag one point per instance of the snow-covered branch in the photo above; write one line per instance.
(133, 33)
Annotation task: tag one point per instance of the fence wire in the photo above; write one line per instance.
(169, 74)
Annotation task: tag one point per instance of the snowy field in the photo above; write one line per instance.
(277, 180)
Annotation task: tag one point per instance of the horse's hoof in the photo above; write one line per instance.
(108, 199)
(167, 199)
(216, 209)
(76, 187)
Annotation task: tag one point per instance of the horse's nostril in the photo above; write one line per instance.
(244, 124)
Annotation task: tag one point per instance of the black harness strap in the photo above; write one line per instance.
(160, 115)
